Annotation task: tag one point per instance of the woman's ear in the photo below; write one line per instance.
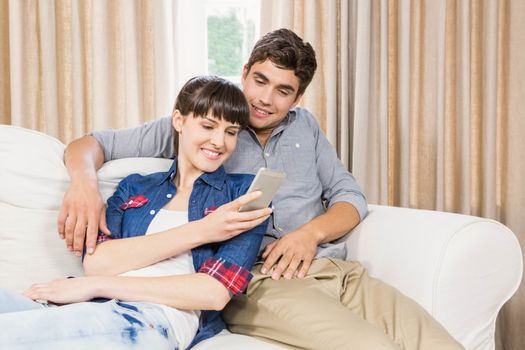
(177, 120)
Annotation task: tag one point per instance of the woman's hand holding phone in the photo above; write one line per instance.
(227, 221)
(245, 212)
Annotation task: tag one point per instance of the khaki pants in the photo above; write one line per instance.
(337, 306)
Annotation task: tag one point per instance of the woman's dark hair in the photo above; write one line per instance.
(287, 51)
(204, 94)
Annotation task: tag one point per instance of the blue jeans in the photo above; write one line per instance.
(114, 325)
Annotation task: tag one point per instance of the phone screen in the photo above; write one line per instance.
(268, 182)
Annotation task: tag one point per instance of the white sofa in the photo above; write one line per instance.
(460, 268)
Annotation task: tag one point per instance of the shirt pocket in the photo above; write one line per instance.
(299, 160)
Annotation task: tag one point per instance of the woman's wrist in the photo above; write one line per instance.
(197, 232)
(99, 286)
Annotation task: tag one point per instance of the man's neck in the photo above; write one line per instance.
(263, 136)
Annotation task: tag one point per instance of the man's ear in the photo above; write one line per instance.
(245, 71)
(177, 120)
(296, 101)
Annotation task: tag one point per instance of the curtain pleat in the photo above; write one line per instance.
(147, 55)
(450, 181)
(476, 108)
(64, 47)
(392, 109)
(5, 67)
(82, 69)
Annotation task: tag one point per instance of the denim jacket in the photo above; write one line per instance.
(139, 198)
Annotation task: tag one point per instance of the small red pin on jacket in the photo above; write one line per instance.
(134, 202)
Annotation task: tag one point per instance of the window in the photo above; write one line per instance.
(233, 28)
(216, 37)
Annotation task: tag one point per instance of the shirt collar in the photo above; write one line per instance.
(214, 179)
(290, 117)
(170, 174)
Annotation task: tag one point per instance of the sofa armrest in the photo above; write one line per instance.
(460, 268)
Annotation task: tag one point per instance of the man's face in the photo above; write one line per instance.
(271, 93)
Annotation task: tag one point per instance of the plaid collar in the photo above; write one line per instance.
(215, 179)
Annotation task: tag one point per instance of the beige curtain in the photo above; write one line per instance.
(424, 101)
(70, 66)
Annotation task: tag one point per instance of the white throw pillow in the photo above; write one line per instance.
(114, 171)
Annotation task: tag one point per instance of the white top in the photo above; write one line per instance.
(184, 323)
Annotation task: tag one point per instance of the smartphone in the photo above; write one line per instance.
(268, 182)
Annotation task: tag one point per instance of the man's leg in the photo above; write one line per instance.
(337, 300)
(404, 320)
(110, 325)
(301, 314)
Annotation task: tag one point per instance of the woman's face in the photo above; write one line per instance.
(205, 142)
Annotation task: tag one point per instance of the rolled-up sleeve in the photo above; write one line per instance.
(339, 185)
(232, 276)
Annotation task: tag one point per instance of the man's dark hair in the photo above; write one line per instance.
(287, 51)
(203, 94)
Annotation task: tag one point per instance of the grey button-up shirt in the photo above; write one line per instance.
(315, 177)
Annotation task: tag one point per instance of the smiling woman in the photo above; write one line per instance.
(156, 282)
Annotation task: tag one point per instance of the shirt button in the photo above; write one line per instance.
(152, 212)
(169, 195)
(266, 154)
(297, 145)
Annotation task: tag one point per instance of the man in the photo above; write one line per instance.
(304, 295)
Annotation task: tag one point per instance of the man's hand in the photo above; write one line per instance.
(81, 215)
(64, 291)
(227, 222)
(290, 255)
